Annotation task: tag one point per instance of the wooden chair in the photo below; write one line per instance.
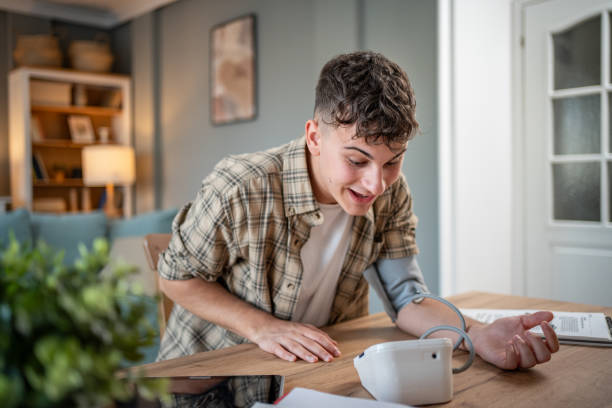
(154, 244)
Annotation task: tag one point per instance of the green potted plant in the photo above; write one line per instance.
(66, 331)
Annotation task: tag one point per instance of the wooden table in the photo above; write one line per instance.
(576, 376)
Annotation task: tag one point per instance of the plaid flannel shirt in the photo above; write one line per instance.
(246, 227)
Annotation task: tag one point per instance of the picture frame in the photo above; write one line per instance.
(81, 129)
(232, 71)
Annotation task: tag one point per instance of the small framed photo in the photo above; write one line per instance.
(81, 129)
(232, 71)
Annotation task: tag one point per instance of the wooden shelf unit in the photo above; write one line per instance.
(59, 154)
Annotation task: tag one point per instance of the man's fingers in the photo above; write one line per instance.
(316, 349)
(551, 337)
(542, 353)
(299, 350)
(511, 357)
(533, 319)
(324, 340)
(280, 352)
(290, 340)
(527, 359)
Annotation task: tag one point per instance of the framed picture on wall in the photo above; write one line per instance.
(232, 71)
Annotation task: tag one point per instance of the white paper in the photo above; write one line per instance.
(567, 325)
(305, 398)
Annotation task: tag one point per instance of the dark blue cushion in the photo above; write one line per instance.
(156, 222)
(66, 231)
(18, 222)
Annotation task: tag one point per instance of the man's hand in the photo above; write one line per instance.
(505, 343)
(291, 340)
(508, 344)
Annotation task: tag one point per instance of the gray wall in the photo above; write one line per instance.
(294, 40)
(405, 32)
(285, 72)
(174, 139)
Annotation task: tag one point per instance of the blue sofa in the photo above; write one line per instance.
(64, 232)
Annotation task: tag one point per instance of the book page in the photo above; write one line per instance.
(306, 398)
(567, 325)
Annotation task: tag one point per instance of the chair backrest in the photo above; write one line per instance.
(154, 244)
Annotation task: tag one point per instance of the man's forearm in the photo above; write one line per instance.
(286, 339)
(416, 319)
(211, 301)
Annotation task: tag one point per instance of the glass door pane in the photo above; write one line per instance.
(577, 125)
(577, 55)
(576, 191)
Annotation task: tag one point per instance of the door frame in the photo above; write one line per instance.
(446, 149)
(518, 265)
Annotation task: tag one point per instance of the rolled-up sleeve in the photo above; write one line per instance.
(402, 278)
(396, 281)
(399, 235)
(201, 238)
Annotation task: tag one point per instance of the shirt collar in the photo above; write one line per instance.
(298, 196)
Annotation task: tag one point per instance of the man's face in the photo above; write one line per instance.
(347, 170)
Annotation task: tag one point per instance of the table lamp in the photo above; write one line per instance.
(108, 165)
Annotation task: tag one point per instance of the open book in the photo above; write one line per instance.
(587, 329)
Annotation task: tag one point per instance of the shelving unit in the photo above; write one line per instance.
(108, 104)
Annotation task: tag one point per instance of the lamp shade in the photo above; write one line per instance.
(108, 164)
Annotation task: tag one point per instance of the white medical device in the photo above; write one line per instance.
(410, 372)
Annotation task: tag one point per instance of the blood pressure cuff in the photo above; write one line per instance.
(395, 281)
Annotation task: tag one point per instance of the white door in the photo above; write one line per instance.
(567, 194)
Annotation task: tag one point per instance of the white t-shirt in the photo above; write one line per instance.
(322, 257)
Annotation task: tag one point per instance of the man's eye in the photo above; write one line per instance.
(356, 163)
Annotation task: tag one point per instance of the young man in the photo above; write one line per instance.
(275, 243)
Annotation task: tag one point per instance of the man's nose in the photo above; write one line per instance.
(374, 181)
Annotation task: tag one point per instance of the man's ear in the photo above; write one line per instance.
(313, 137)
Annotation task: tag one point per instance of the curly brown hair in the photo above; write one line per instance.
(366, 89)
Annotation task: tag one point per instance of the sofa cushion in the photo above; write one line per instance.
(18, 222)
(66, 231)
(130, 250)
(156, 222)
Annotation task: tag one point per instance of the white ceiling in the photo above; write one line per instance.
(100, 13)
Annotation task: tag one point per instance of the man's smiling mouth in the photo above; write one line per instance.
(362, 198)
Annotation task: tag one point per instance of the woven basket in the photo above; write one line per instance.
(92, 56)
(40, 50)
